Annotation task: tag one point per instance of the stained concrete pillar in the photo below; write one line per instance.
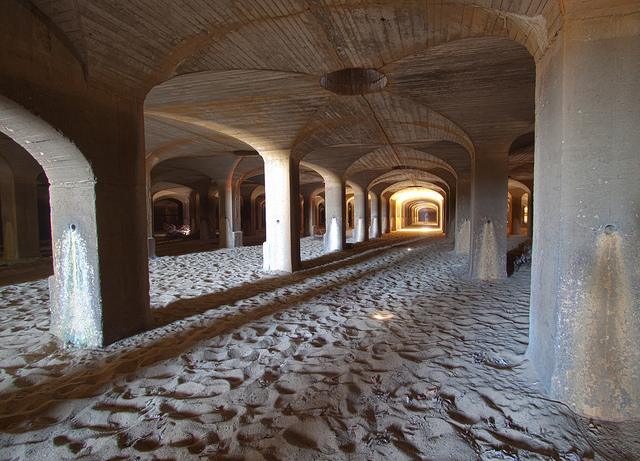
(516, 212)
(360, 228)
(489, 202)
(309, 213)
(530, 214)
(463, 215)
(229, 236)
(281, 251)
(335, 236)
(99, 292)
(194, 220)
(384, 212)
(585, 282)
(376, 224)
(151, 240)
(392, 216)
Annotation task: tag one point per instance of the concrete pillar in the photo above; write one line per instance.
(463, 215)
(516, 213)
(281, 251)
(376, 222)
(585, 282)
(335, 236)
(384, 212)
(360, 228)
(392, 216)
(489, 201)
(312, 210)
(194, 212)
(99, 292)
(229, 237)
(151, 240)
(488, 214)
(530, 214)
(308, 214)
(236, 212)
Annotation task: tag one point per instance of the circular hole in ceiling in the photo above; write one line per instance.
(354, 81)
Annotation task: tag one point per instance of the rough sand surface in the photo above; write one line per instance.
(387, 351)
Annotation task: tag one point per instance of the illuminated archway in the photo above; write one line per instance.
(409, 203)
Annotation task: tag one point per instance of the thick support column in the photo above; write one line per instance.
(360, 230)
(90, 143)
(229, 237)
(530, 214)
(463, 216)
(376, 224)
(312, 223)
(392, 216)
(194, 211)
(151, 240)
(335, 236)
(384, 212)
(451, 201)
(489, 201)
(308, 218)
(281, 251)
(585, 282)
(516, 213)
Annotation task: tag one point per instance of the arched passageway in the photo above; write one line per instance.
(459, 95)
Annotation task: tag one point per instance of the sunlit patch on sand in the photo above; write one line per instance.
(420, 228)
(383, 315)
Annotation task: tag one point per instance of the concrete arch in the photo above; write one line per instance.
(385, 157)
(348, 121)
(74, 289)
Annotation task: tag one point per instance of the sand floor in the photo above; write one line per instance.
(387, 351)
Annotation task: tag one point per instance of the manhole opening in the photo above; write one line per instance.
(354, 81)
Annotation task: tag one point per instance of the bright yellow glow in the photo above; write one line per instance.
(418, 193)
(420, 229)
(382, 315)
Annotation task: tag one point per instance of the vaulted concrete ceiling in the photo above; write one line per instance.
(240, 75)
